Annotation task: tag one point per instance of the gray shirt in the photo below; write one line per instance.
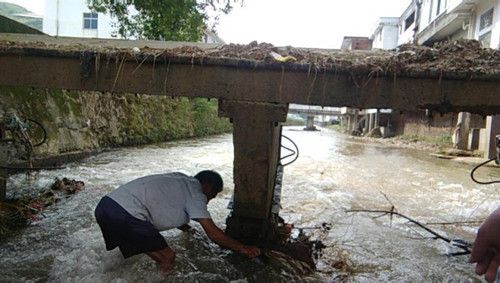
(165, 200)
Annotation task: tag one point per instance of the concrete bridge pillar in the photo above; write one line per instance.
(355, 120)
(256, 139)
(376, 119)
(492, 129)
(349, 123)
(462, 129)
(3, 184)
(365, 123)
(310, 123)
(370, 122)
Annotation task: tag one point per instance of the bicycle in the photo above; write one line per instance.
(23, 134)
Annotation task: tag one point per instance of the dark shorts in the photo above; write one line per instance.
(120, 229)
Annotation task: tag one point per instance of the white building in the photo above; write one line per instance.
(211, 37)
(453, 19)
(385, 35)
(408, 24)
(74, 19)
(439, 20)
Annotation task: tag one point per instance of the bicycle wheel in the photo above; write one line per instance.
(36, 132)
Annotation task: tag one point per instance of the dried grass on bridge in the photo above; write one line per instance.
(454, 56)
(462, 59)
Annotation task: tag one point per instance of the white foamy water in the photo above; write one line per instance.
(332, 174)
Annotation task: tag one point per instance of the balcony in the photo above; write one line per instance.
(451, 21)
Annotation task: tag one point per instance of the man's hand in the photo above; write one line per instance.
(249, 251)
(486, 249)
(215, 234)
(185, 228)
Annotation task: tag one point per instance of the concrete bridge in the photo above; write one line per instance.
(312, 111)
(254, 94)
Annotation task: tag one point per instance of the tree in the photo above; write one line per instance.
(173, 20)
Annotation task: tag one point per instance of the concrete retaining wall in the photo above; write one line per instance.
(89, 121)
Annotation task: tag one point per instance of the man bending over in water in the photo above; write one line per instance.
(132, 216)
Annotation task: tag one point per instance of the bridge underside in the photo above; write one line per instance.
(254, 94)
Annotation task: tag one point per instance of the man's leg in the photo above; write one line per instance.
(165, 258)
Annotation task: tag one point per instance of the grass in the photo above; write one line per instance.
(96, 120)
(12, 10)
(439, 141)
(336, 127)
(291, 121)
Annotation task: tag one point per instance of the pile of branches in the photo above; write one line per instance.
(463, 247)
(17, 213)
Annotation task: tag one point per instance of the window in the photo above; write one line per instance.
(90, 20)
(410, 20)
(431, 6)
(438, 7)
(485, 39)
(486, 20)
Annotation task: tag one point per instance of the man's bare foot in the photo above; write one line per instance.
(165, 259)
(166, 268)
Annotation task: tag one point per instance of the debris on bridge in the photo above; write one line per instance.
(448, 59)
(17, 213)
(453, 56)
(451, 77)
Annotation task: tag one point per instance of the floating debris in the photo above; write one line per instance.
(68, 186)
(17, 213)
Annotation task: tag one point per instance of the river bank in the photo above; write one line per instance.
(438, 147)
(82, 122)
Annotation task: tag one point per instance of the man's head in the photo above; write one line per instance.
(211, 183)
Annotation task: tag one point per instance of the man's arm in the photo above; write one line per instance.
(216, 235)
(486, 249)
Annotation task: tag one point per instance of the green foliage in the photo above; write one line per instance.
(337, 127)
(80, 121)
(172, 20)
(292, 121)
(13, 11)
(7, 9)
(206, 120)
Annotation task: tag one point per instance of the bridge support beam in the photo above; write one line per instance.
(310, 123)
(256, 139)
(492, 129)
(3, 184)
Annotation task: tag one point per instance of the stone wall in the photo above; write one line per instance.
(418, 123)
(89, 121)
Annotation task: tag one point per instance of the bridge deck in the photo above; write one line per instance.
(319, 77)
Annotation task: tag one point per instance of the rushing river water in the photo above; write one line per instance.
(333, 173)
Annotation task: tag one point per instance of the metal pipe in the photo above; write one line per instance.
(57, 17)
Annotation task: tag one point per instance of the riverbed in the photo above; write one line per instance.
(333, 174)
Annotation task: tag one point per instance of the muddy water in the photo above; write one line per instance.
(332, 174)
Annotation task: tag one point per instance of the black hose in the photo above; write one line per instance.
(292, 152)
(296, 152)
(44, 133)
(477, 167)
